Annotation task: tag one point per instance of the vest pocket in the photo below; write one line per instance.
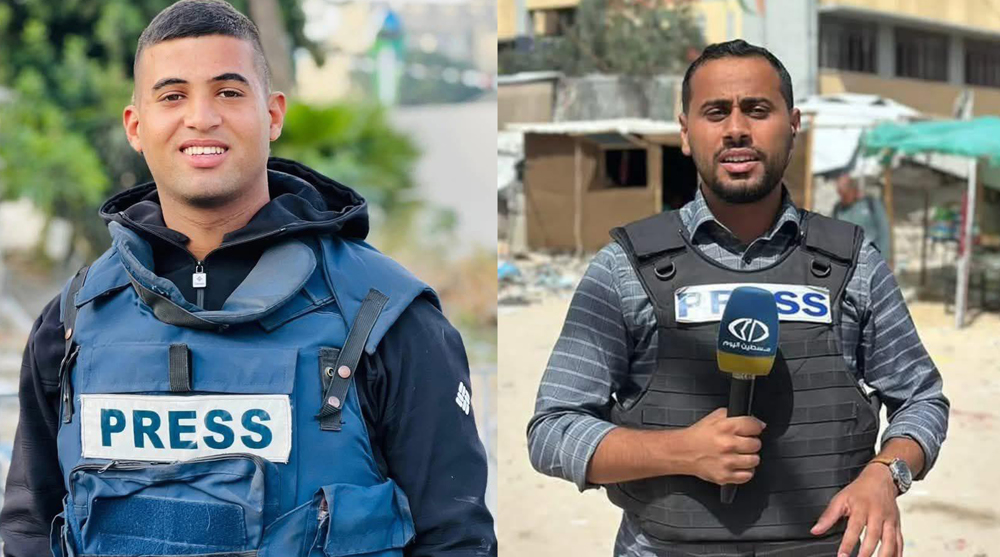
(371, 521)
(199, 507)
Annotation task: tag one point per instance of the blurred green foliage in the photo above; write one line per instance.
(633, 37)
(354, 144)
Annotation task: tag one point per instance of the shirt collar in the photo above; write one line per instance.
(696, 215)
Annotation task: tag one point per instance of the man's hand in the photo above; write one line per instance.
(724, 450)
(869, 502)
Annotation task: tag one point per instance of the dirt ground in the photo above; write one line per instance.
(955, 511)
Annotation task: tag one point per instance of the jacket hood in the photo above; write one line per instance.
(302, 201)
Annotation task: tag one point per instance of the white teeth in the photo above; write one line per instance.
(739, 159)
(204, 151)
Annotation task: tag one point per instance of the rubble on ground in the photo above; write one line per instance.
(527, 278)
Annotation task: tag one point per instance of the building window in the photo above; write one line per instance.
(982, 63)
(848, 45)
(553, 22)
(625, 168)
(921, 54)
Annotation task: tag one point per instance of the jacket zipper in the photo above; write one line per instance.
(199, 280)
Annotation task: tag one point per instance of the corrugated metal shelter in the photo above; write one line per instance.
(583, 178)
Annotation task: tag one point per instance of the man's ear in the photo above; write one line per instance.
(685, 146)
(796, 121)
(276, 110)
(130, 120)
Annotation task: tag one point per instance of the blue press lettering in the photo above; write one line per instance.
(141, 429)
(256, 427)
(786, 303)
(719, 298)
(177, 429)
(687, 300)
(107, 428)
(814, 301)
(212, 423)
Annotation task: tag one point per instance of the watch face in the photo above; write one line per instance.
(901, 472)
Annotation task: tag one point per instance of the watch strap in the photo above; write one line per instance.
(883, 460)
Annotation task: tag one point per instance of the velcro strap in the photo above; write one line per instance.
(781, 479)
(683, 417)
(705, 379)
(335, 387)
(335, 395)
(821, 446)
(705, 347)
(656, 234)
(831, 237)
(772, 515)
(180, 368)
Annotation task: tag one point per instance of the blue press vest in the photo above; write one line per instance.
(273, 339)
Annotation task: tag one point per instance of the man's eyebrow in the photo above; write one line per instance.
(231, 76)
(713, 103)
(756, 100)
(168, 81)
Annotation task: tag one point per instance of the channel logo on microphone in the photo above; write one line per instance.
(749, 330)
(706, 303)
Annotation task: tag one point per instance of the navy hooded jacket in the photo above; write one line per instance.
(422, 438)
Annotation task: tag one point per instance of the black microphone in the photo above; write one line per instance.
(747, 346)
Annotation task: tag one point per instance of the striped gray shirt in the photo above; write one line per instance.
(608, 345)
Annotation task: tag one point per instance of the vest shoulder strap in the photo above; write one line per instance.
(834, 238)
(69, 309)
(652, 235)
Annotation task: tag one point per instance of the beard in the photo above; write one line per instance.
(745, 190)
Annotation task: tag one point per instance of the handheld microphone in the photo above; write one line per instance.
(747, 346)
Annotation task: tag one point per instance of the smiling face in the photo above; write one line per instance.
(738, 128)
(203, 119)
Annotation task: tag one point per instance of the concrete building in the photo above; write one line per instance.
(922, 53)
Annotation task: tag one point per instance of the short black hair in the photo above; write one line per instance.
(200, 18)
(739, 49)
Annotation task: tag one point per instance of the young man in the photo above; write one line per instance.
(240, 373)
(632, 398)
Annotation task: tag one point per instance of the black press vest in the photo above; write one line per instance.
(821, 426)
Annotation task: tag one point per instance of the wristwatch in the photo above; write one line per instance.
(900, 472)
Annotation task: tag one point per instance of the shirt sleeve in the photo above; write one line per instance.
(587, 365)
(427, 435)
(896, 364)
(35, 488)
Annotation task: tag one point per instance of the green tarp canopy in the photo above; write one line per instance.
(979, 137)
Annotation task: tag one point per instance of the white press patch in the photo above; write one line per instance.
(172, 428)
(705, 303)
